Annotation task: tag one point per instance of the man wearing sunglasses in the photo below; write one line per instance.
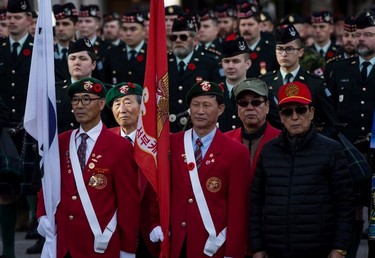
(99, 184)
(302, 193)
(288, 52)
(186, 66)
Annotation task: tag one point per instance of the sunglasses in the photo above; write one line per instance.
(301, 110)
(254, 103)
(183, 37)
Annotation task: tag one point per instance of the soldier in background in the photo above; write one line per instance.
(3, 24)
(111, 28)
(171, 13)
(186, 66)
(227, 21)
(127, 62)
(262, 50)
(208, 32)
(66, 17)
(32, 27)
(322, 24)
(88, 26)
(266, 22)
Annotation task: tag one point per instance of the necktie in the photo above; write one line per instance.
(198, 153)
(288, 78)
(15, 46)
(181, 68)
(64, 52)
(364, 70)
(132, 55)
(321, 52)
(81, 152)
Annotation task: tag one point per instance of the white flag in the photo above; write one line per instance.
(40, 115)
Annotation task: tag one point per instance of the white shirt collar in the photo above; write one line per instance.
(21, 41)
(186, 59)
(93, 133)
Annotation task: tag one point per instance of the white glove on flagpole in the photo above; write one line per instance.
(126, 255)
(156, 235)
(45, 229)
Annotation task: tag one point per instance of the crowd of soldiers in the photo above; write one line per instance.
(235, 49)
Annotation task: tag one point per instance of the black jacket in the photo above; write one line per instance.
(301, 199)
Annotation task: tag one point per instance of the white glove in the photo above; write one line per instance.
(126, 255)
(45, 229)
(156, 235)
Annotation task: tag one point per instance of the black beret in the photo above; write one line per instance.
(286, 34)
(322, 17)
(91, 10)
(87, 85)
(224, 11)
(265, 16)
(18, 6)
(365, 19)
(184, 24)
(350, 24)
(3, 13)
(291, 19)
(248, 11)
(121, 90)
(114, 16)
(83, 44)
(207, 14)
(62, 11)
(133, 17)
(234, 47)
(173, 10)
(204, 88)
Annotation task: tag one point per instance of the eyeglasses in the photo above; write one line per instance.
(85, 100)
(288, 50)
(301, 110)
(183, 37)
(254, 103)
(365, 34)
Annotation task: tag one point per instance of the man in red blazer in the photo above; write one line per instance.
(102, 170)
(124, 99)
(209, 190)
(253, 106)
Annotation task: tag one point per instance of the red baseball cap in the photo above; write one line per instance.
(296, 92)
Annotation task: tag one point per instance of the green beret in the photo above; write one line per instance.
(87, 85)
(204, 88)
(121, 90)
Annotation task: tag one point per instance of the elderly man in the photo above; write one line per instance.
(99, 188)
(301, 199)
(208, 210)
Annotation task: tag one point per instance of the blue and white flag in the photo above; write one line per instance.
(40, 119)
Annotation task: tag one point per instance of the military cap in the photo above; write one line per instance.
(350, 24)
(173, 10)
(243, 3)
(113, 16)
(365, 19)
(204, 88)
(248, 11)
(224, 11)
(184, 24)
(207, 14)
(87, 85)
(62, 11)
(3, 14)
(18, 6)
(322, 17)
(91, 10)
(234, 47)
(252, 84)
(121, 90)
(83, 44)
(291, 19)
(286, 35)
(294, 92)
(133, 17)
(265, 16)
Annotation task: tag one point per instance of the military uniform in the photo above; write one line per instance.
(324, 113)
(263, 59)
(61, 66)
(229, 119)
(331, 51)
(200, 67)
(118, 68)
(100, 48)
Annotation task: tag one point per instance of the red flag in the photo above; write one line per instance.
(151, 150)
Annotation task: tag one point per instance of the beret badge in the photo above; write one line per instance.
(87, 42)
(241, 45)
(124, 89)
(88, 85)
(23, 5)
(292, 90)
(206, 86)
(292, 31)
